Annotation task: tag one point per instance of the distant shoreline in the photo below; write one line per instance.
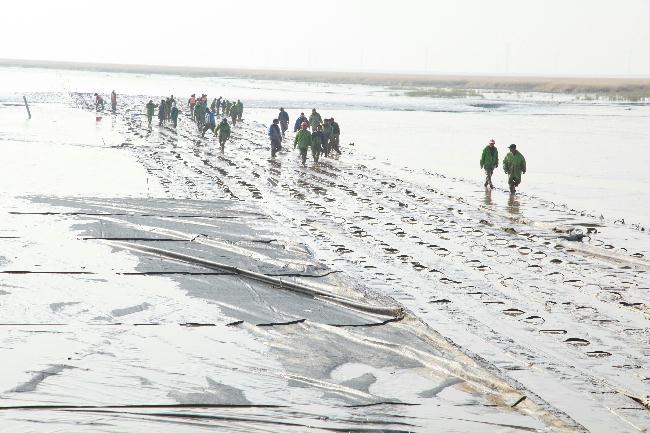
(632, 89)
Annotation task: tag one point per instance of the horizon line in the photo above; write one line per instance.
(297, 73)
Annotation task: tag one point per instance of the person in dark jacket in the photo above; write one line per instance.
(161, 112)
(299, 120)
(317, 141)
(283, 117)
(174, 114)
(276, 137)
(151, 107)
(218, 104)
(211, 122)
(334, 138)
(327, 135)
(489, 161)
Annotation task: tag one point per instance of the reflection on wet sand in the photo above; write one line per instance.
(487, 199)
(513, 205)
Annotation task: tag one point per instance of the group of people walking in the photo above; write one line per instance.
(167, 111)
(514, 165)
(323, 138)
(199, 108)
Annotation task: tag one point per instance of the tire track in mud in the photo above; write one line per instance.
(444, 258)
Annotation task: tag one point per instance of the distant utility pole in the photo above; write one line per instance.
(27, 106)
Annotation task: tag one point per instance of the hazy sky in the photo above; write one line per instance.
(550, 37)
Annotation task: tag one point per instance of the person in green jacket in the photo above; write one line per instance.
(233, 113)
(314, 119)
(303, 141)
(489, 161)
(514, 164)
(223, 132)
(151, 108)
(240, 109)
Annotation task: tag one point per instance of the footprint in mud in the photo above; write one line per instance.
(636, 305)
(574, 282)
(534, 320)
(440, 301)
(418, 266)
(553, 331)
(578, 342)
(555, 277)
(599, 354)
(490, 253)
(513, 312)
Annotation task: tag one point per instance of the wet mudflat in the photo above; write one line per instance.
(130, 310)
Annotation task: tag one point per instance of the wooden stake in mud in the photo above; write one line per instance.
(27, 106)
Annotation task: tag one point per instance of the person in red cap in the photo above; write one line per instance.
(489, 161)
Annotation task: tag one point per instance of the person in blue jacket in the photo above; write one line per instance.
(211, 123)
(299, 120)
(283, 117)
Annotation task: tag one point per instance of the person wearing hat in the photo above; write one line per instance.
(489, 161)
(514, 164)
(303, 141)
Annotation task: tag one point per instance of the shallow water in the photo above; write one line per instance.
(590, 156)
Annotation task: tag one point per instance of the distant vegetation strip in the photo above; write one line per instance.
(624, 89)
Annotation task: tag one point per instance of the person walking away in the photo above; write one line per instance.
(211, 122)
(199, 111)
(336, 133)
(283, 117)
(161, 112)
(276, 137)
(222, 131)
(233, 113)
(489, 161)
(174, 114)
(240, 109)
(303, 141)
(327, 136)
(314, 119)
(191, 103)
(218, 105)
(317, 140)
(113, 101)
(514, 164)
(151, 107)
(213, 106)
